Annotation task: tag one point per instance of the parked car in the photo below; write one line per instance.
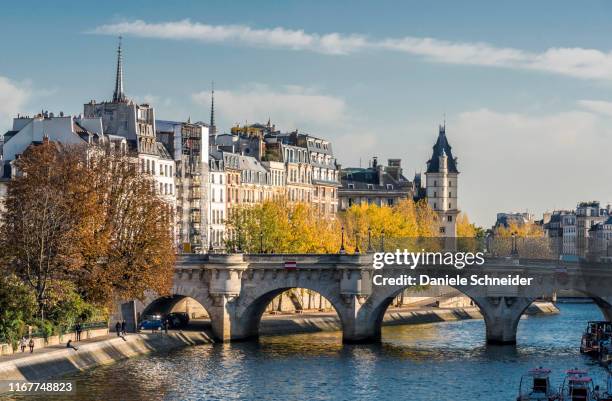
(177, 320)
(151, 322)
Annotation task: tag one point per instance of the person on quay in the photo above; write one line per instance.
(23, 343)
(118, 329)
(31, 345)
(123, 331)
(78, 329)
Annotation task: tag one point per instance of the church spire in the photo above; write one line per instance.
(213, 128)
(118, 95)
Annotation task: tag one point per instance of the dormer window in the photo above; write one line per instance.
(389, 186)
(351, 186)
(370, 186)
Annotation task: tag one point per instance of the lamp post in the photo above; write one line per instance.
(357, 251)
(210, 241)
(514, 248)
(342, 250)
(261, 242)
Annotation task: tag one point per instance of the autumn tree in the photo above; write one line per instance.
(85, 216)
(277, 226)
(38, 243)
(528, 238)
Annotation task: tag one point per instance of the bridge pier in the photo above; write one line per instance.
(224, 287)
(502, 315)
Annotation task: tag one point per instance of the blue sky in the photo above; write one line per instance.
(525, 86)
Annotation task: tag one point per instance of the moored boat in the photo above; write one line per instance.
(535, 386)
(577, 386)
(595, 332)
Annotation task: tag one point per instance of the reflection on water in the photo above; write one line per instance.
(423, 362)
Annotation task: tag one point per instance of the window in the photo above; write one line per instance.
(390, 202)
(450, 194)
(442, 230)
(435, 194)
(389, 186)
(435, 206)
(449, 218)
(435, 183)
(351, 186)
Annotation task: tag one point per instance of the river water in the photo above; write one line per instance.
(442, 361)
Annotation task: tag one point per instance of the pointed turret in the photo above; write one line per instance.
(118, 95)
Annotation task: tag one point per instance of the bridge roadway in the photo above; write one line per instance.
(236, 288)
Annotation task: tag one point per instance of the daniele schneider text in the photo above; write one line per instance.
(459, 260)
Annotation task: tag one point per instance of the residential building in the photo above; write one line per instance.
(378, 184)
(63, 129)
(187, 144)
(441, 179)
(569, 233)
(218, 209)
(588, 214)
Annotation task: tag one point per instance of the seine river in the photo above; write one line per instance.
(442, 361)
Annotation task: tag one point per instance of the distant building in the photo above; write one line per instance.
(218, 209)
(442, 185)
(600, 239)
(188, 146)
(569, 233)
(378, 184)
(63, 129)
(136, 122)
(588, 214)
(509, 219)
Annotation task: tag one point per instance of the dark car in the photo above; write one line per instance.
(177, 320)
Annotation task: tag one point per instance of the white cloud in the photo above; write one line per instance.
(289, 107)
(576, 62)
(597, 106)
(514, 162)
(13, 96)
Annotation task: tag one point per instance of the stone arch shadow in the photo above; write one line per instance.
(250, 313)
(163, 304)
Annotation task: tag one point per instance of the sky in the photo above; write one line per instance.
(525, 88)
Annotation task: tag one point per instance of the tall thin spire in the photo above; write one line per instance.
(118, 95)
(213, 128)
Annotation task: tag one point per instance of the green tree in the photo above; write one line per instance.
(17, 308)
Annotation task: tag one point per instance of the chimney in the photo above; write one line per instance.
(380, 169)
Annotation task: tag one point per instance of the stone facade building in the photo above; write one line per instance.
(378, 184)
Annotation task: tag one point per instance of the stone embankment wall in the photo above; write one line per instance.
(39, 342)
(62, 361)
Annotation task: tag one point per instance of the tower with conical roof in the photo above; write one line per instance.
(442, 184)
(118, 95)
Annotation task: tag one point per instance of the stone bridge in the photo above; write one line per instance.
(236, 288)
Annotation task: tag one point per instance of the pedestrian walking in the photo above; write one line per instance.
(31, 345)
(78, 329)
(118, 329)
(166, 325)
(123, 331)
(23, 343)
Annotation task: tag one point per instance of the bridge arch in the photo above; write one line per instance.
(253, 305)
(500, 314)
(192, 300)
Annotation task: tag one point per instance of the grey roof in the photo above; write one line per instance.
(162, 151)
(442, 146)
(250, 163)
(360, 178)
